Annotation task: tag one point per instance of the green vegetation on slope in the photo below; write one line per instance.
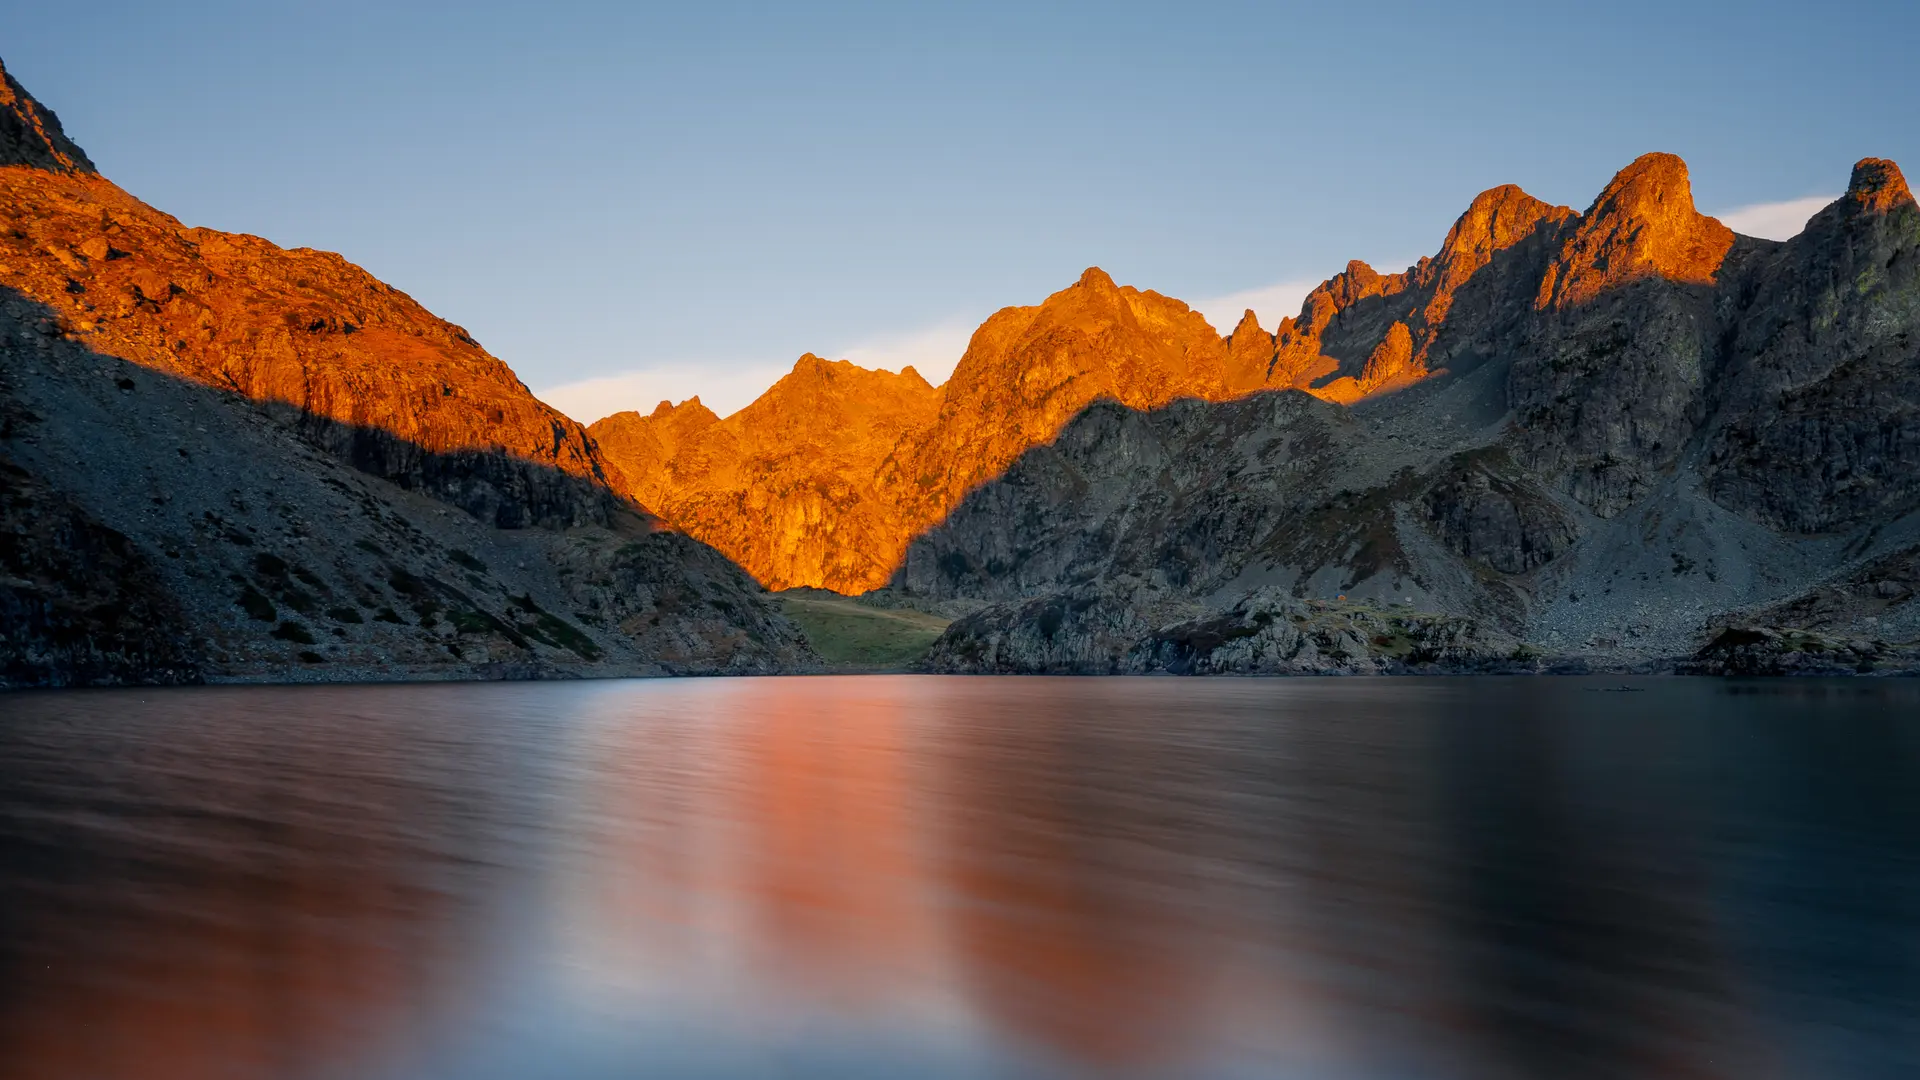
(850, 634)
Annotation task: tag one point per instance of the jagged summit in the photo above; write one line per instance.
(1644, 224)
(1497, 219)
(30, 133)
(803, 487)
(1878, 184)
(1095, 278)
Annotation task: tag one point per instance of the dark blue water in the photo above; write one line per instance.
(924, 877)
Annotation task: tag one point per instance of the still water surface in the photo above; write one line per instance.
(928, 877)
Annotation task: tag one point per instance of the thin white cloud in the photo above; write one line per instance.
(1774, 220)
(1270, 303)
(728, 388)
(721, 387)
(932, 350)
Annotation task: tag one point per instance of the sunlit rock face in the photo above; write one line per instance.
(30, 134)
(362, 368)
(787, 486)
(1643, 225)
(224, 459)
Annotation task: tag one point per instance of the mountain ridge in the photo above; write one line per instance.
(1506, 265)
(299, 473)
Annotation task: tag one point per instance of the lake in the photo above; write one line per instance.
(964, 877)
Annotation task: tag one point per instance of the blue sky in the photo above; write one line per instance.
(630, 201)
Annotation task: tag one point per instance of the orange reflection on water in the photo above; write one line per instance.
(832, 847)
(771, 840)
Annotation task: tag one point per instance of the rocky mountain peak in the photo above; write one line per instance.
(1878, 185)
(1497, 219)
(30, 133)
(1249, 356)
(1644, 224)
(691, 406)
(1096, 279)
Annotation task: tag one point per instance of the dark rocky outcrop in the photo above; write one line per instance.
(1485, 509)
(1821, 395)
(1773, 651)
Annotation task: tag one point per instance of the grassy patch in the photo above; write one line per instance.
(844, 632)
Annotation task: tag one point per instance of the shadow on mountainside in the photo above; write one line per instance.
(156, 529)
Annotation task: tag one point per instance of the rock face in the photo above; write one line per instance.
(226, 460)
(355, 365)
(30, 134)
(786, 485)
(1822, 396)
(1633, 438)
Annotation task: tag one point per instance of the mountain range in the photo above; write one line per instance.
(1620, 438)
(1614, 438)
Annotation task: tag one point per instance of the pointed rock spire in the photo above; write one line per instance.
(30, 134)
(1095, 278)
(1878, 185)
(1497, 219)
(1643, 225)
(1390, 360)
(1249, 355)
